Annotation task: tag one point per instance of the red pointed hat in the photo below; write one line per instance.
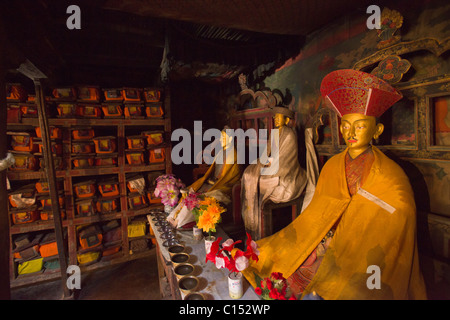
(351, 91)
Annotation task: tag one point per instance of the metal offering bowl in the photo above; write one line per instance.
(183, 269)
(176, 248)
(179, 258)
(155, 212)
(164, 229)
(168, 235)
(188, 284)
(194, 296)
(171, 242)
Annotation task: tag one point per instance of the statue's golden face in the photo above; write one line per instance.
(280, 120)
(226, 140)
(358, 130)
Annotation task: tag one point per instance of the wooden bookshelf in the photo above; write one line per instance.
(119, 128)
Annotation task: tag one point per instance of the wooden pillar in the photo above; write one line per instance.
(5, 249)
(51, 176)
(4, 219)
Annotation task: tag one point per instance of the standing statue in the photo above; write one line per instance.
(283, 186)
(357, 237)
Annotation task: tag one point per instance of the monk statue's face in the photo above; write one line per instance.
(358, 131)
(226, 140)
(280, 120)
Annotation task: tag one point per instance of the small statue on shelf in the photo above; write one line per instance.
(357, 237)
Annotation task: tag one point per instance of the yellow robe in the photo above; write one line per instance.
(229, 176)
(366, 235)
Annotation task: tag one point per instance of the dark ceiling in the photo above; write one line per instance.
(138, 42)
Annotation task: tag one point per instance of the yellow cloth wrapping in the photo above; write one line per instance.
(229, 176)
(30, 266)
(366, 235)
(137, 229)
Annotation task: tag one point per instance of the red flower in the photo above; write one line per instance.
(269, 284)
(277, 276)
(258, 291)
(252, 251)
(230, 264)
(211, 256)
(262, 284)
(273, 293)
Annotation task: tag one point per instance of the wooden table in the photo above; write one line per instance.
(213, 282)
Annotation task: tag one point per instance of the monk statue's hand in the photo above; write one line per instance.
(210, 181)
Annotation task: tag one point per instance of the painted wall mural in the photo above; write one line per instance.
(345, 42)
(442, 121)
(437, 177)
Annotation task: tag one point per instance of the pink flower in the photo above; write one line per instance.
(220, 262)
(170, 196)
(179, 184)
(191, 200)
(241, 262)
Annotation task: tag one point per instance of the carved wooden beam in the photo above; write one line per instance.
(433, 45)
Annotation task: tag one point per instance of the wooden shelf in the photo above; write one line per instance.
(142, 211)
(95, 171)
(27, 279)
(116, 215)
(39, 225)
(99, 217)
(70, 122)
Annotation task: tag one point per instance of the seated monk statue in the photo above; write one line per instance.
(284, 185)
(357, 237)
(217, 182)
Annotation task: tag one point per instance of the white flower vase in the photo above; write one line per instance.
(235, 285)
(208, 243)
(197, 233)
